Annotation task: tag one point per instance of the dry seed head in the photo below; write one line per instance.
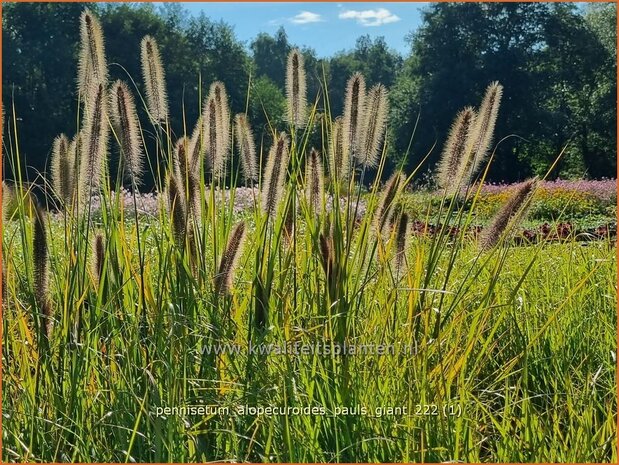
(275, 175)
(222, 108)
(510, 213)
(62, 168)
(455, 149)
(314, 181)
(196, 146)
(93, 150)
(339, 160)
(125, 121)
(178, 209)
(247, 147)
(229, 260)
(354, 112)
(187, 175)
(387, 202)
(481, 134)
(98, 254)
(154, 80)
(373, 126)
(401, 236)
(212, 139)
(296, 89)
(92, 68)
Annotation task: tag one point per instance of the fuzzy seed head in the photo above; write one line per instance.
(196, 146)
(481, 134)
(187, 175)
(154, 80)
(178, 209)
(127, 129)
(93, 151)
(373, 126)
(275, 175)
(509, 215)
(212, 140)
(401, 236)
(387, 201)
(339, 160)
(353, 118)
(98, 254)
(314, 181)
(61, 169)
(455, 149)
(247, 147)
(222, 115)
(92, 67)
(296, 89)
(229, 260)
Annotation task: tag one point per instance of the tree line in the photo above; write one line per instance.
(556, 61)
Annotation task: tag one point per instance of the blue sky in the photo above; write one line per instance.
(327, 27)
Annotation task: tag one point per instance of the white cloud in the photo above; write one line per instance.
(376, 17)
(306, 17)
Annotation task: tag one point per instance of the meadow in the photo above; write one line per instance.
(268, 305)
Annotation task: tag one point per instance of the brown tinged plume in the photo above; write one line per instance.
(354, 112)
(196, 146)
(338, 160)
(401, 239)
(210, 131)
(481, 134)
(40, 259)
(510, 213)
(455, 150)
(247, 147)
(178, 209)
(314, 181)
(92, 68)
(187, 174)
(62, 169)
(229, 260)
(93, 150)
(384, 210)
(154, 80)
(222, 114)
(98, 254)
(125, 120)
(373, 126)
(296, 89)
(275, 175)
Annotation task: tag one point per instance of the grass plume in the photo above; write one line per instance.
(510, 213)
(222, 117)
(354, 112)
(178, 209)
(296, 89)
(92, 67)
(247, 147)
(229, 260)
(62, 169)
(481, 134)
(314, 180)
(154, 80)
(93, 152)
(383, 213)
(275, 175)
(373, 126)
(455, 150)
(126, 125)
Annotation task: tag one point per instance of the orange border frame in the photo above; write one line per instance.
(297, 1)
